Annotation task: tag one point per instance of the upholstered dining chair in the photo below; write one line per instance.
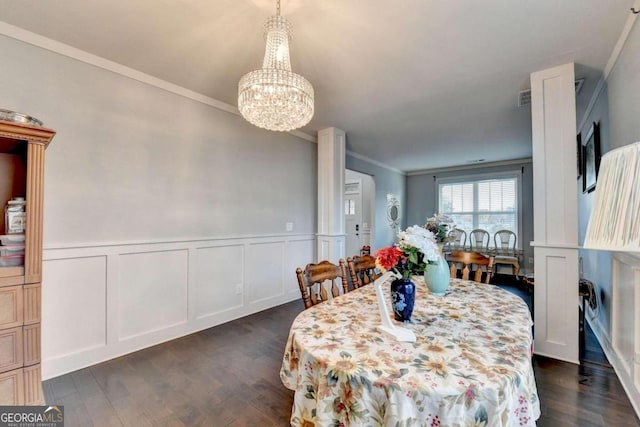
(479, 240)
(466, 260)
(362, 270)
(457, 240)
(505, 241)
(312, 282)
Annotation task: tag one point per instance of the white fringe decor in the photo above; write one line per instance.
(615, 219)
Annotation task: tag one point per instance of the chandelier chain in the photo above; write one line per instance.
(278, 7)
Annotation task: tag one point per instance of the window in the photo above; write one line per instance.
(349, 207)
(491, 204)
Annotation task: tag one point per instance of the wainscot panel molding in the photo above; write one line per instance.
(624, 342)
(622, 346)
(216, 264)
(74, 305)
(152, 291)
(555, 293)
(102, 301)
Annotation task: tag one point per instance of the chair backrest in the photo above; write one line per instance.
(479, 240)
(467, 259)
(311, 281)
(505, 241)
(457, 240)
(362, 270)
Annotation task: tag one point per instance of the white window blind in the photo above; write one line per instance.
(487, 203)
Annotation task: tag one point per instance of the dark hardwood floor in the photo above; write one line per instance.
(229, 376)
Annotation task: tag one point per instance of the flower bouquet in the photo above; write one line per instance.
(440, 225)
(416, 248)
(437, 276)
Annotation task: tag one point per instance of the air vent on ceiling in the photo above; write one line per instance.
(524, 96)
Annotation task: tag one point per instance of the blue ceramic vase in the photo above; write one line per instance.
(403, 296)
(437, 276)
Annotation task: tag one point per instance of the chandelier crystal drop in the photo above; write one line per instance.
(274, 97)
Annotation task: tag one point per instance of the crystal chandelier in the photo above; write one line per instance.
(273, 97)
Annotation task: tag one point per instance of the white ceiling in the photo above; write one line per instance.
(416, 84)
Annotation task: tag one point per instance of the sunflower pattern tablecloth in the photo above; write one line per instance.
(471, 364)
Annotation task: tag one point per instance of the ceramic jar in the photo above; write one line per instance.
(15, 216)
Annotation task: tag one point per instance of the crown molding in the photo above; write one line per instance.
(611, 63)
(54, 46)
(374, 162)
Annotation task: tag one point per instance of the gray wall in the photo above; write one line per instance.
(421, 196)
(624, 87)
(163, 215)
(386, 182)
(132, 162)
(596, 265)
(617, 110)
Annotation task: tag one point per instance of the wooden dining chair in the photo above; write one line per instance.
(479, 240)
(312, 282)
(505, 241)
(466, 260)
(457, 240)
(362, 270)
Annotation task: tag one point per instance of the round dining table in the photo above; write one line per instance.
(469, 366)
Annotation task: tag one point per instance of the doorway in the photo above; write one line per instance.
(359, 199)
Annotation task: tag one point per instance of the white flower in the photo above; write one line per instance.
(441, 219)
(431, 253)
(421, 238)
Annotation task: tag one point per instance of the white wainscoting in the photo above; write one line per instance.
(106, 300)
(622, 347)
(556, 302)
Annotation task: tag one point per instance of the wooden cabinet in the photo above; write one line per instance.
(22, 150)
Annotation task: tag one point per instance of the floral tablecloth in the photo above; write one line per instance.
(470, 366)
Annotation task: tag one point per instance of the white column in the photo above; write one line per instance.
(553, 115)
(331, 159)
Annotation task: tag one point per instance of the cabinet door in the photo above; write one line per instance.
(11, 307)
(12, 388)
(11, 349)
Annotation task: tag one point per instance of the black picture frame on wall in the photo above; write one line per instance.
(591, 158)
(579, 154)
